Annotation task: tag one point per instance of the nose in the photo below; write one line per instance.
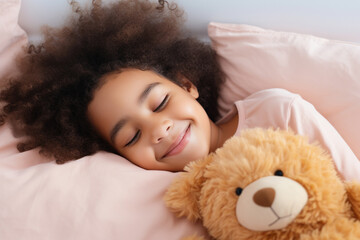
(161, 130)
(264, 197)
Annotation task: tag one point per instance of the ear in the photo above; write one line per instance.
(183, 194)
(188, 86)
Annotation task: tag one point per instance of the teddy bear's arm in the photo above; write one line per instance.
(353, 191)
(183, 193)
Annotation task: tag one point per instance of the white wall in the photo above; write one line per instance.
(336, 19)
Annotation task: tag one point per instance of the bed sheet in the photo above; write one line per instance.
(104, 196)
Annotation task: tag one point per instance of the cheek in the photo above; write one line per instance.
(190, 107)
(140, 156)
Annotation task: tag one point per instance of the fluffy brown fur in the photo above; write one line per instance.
(48, 100)
(206, 191)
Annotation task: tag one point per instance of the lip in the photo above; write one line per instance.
(179, 144)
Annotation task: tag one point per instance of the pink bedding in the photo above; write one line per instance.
(324, 72)
(12, 37)
(104, 196)
(98, 197)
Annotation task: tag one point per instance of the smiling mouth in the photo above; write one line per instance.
(179, 144)
(277, 217)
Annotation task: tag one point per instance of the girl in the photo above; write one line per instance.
(126, 78)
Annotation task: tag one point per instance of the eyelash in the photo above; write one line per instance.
(162, 104)
(158, 108)
(134, 139)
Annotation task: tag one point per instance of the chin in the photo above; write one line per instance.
(198, 154)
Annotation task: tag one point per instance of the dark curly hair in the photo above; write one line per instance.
(47, 102)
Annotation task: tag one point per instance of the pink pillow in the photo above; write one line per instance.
(324, 72)
(12, 37)
(97, 197)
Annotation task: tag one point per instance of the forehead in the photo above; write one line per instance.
(125, 77)
(126, 84)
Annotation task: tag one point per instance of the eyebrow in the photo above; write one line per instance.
(146, 91)
(141, 99)
(116, 129)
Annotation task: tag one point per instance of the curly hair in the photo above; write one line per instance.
(47, 102)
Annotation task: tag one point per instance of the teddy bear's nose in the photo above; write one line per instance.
(264, 197)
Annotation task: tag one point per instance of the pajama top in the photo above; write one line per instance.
(278, 108)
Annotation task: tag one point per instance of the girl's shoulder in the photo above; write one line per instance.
(268, 108)
(273, 93)
(271, 98)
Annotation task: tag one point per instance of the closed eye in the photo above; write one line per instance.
(162, 104)
(134, 139)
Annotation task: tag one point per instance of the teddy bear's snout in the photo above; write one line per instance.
(270, 203)
(264, 197)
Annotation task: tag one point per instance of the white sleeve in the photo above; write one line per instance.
(304, 119)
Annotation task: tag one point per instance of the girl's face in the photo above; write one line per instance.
(150, 120)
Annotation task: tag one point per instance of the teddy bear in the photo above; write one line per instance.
(267, 184)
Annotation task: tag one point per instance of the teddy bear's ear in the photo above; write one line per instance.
(183, 194)
(353, 192)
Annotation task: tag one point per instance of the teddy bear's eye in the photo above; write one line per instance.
(279, 173)
(238, 191)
